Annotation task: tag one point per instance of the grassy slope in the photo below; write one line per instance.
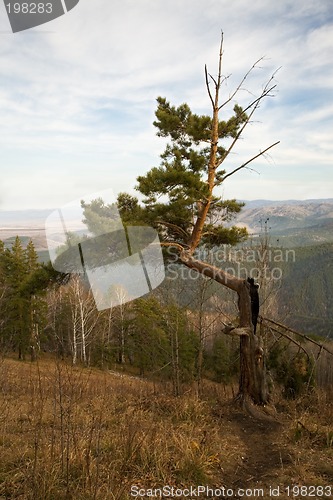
(85, 434)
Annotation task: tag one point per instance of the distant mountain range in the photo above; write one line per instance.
(25, 218)
(305, 300)
(263, 203)
(289, 223)
(28, 225)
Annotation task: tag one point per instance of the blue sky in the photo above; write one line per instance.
(78, 95)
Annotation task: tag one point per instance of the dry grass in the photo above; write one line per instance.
(75, 433)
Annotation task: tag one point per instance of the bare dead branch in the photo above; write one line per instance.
(285, 335)
(258, 99)
(220, 61)
(207, 85)
(215, 82)
(211, 271)
(302, 335)
(235, 331)
(249, 161)
(255, 106)
(238, 88)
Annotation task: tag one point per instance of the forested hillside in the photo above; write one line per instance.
(303, 300)
(305, 297)
(162, 371)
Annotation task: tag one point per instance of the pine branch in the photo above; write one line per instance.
(172, 244)
(178, 229)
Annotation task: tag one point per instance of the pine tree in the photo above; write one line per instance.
(25, 281)
(31, 257)
(181, 201)
(3, 293)
(16, 307)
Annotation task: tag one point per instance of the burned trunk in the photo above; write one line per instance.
(252, 361)
(252, 364)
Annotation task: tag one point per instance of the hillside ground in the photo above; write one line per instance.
(75, 433)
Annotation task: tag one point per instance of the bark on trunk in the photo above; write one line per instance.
(252, 361)
(252, 383)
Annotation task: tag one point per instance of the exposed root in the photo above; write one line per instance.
(265, 412)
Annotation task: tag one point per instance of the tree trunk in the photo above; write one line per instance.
(83, 335)
(175, 362)
(199, 366)
(74, 349)
(252, 383)
(252, 380)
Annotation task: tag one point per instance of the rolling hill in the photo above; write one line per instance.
(289, 223)
(305, 298)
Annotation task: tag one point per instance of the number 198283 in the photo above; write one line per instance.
(29, 8)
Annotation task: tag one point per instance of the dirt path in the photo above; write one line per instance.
(265, 457)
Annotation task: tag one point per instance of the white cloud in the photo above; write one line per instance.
(78, 95)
